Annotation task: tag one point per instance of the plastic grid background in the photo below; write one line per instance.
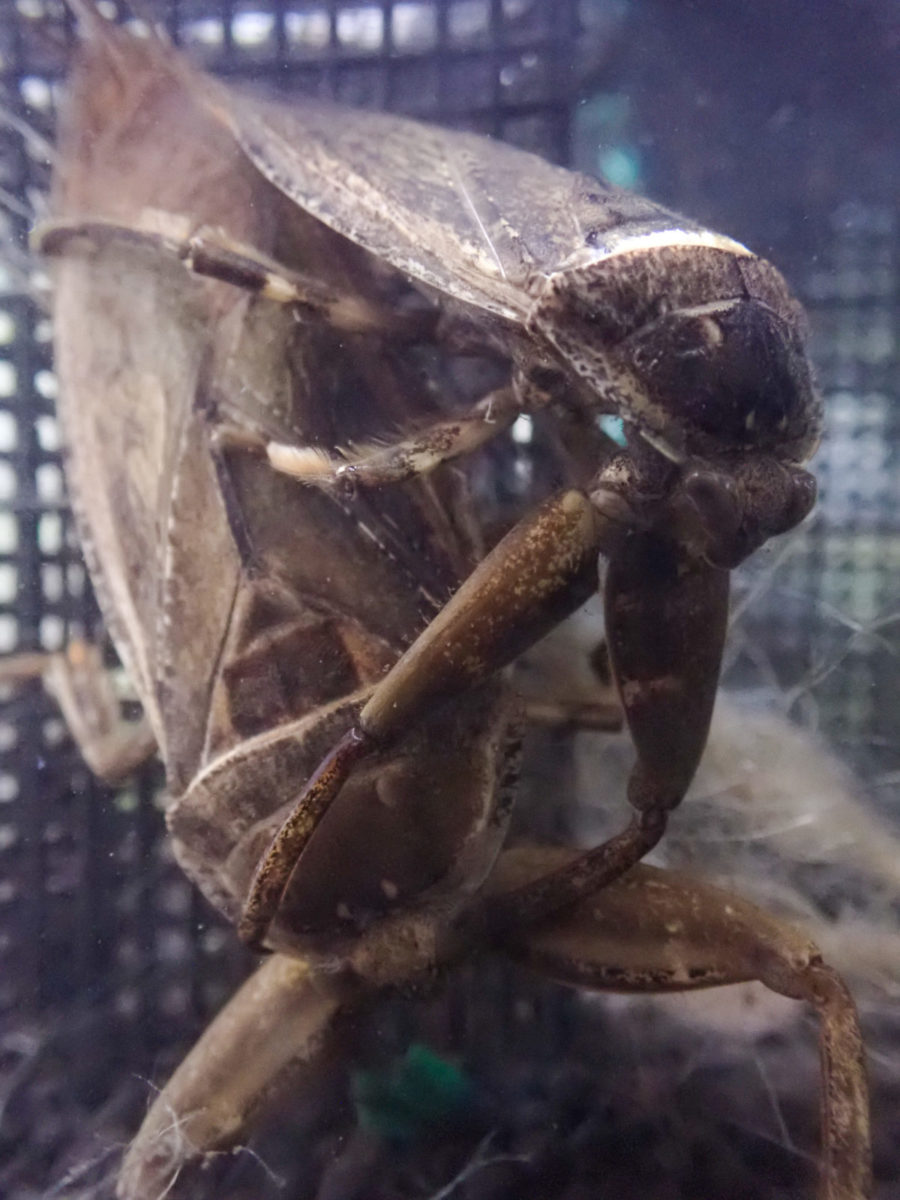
(106, 953)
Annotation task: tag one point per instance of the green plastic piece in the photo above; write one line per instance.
(419, 1093)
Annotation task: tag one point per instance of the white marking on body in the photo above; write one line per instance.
(662, 238)
(636, 243)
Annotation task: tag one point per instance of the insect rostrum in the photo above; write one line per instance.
(295, 575)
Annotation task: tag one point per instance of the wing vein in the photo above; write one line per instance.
(469, 203)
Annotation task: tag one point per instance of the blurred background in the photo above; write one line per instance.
(774, 122)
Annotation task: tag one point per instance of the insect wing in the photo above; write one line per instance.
(472, 218)
(131, 340)
(152, 361)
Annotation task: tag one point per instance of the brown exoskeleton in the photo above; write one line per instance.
(241, 289)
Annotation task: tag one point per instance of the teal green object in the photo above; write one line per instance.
(621, 165)
(604, 139)
(420, 1092)
(613, 427)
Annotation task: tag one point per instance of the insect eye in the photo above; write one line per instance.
(730, 376)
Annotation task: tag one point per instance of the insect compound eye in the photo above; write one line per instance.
(730, 376)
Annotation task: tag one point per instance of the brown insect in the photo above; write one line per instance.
(246, 292)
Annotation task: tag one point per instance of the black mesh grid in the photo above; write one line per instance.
(108, 959)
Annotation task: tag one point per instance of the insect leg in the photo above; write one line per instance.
(76, 678)
(543, 570)
(658, 931)
(556, 714)
(416, 455)
(213, 254)
(666, 617)
(431, 446)
(278, 1031)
